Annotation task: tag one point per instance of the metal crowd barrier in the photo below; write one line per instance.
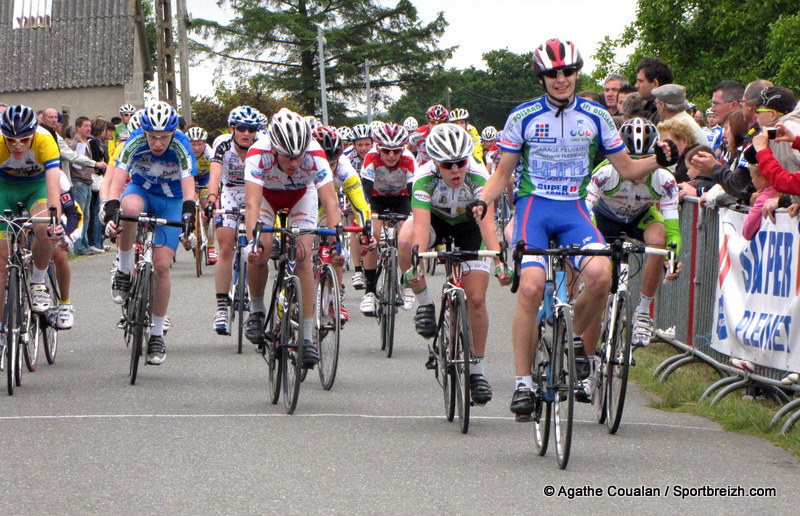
(684, 313)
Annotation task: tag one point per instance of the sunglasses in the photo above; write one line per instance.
(566, 72)
(25, 140)
(159, 137)
(384, 150)
(763, 110)
(250, 128)
(457, 164)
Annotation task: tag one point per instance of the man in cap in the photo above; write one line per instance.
(671, 103)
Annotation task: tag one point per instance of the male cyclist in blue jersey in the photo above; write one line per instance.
(555, 137)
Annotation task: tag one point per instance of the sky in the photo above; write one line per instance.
(479, 26)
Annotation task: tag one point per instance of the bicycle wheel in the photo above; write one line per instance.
(140, 316)
(539, 372)
(388, 301)
(617, 367)
(327, 325)
(271, 351)
(461, 351)
(29, 331)
(47, 323)
(598, 392)
(443, 361)
(12, 321)
(292, 344)
(564, 369)
(198, 246)
(241, 300)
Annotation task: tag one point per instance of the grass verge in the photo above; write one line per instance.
(682, 391)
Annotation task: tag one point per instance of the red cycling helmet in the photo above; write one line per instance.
(329, 140)
(555, 54)
(437, 113)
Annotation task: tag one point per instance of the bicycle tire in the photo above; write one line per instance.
(292, 344)
(47, 324)
(564, 409)
(327, 325)
(445, 368)
(598, 393)
(140, 316)
(240, 301)
(198, 246)
(618, 366)
(30, 325)
(12, 330)
(271, 350)
(462, 354)
(388, 301)
(539, 372)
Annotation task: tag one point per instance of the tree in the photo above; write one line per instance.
(278, 41)
(705, 42)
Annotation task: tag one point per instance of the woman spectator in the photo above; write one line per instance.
(683, 135)
(102, 133)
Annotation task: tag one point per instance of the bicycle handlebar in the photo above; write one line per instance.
(147, 218)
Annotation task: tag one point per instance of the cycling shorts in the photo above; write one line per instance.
(29, 193)
(169, 208)
(231, 197)
(202, 192)
(394, 203)
(612, 229)
(466, 236)
(302, 205)
(537, 220)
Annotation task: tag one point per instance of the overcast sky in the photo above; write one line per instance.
(479, 26)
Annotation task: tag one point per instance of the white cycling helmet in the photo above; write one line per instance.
(127, 109)
(458, 114)
(136, 121)
(289, 133)
(449, 142)
(410, 124)
(159, 117)
(345, 133)
(312, 121)
(196, 133)
(361, 131)
(391, 135)
(489, 133)
(639, 136)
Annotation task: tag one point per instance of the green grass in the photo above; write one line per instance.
(682, 391)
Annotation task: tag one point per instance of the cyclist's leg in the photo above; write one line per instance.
(475, 285)
(304, 216)
(226, 236)
(654, 235)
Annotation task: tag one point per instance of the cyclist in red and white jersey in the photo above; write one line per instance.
(287, 170)
(436, 114)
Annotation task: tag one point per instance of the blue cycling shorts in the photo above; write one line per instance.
(169, 208)
(537, 220)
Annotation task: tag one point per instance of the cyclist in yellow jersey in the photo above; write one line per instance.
(202, 151)
(29, 173)
(460, 117)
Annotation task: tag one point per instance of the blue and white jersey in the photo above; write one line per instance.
(557, 151)
(159, 175)
(355, 160)
(714, 135)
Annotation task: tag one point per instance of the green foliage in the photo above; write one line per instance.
(212, 113)
(708, 41)
(488, 94)
(275, 43)
(150, 31)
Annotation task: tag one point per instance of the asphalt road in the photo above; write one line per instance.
(197, 434)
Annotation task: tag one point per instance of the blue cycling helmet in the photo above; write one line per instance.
(159, 117)
(18, 121)
(244, 115)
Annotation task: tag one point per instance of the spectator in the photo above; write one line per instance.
(49, 120)
(633, 107)
(671, 103)
(3, 107)
(102, 133)
(698, 182)
(725, 97)
(82, 181)
(680, 132)
(650, 74)
(611, 88)
(591, 95)
(624, 92)
(764, 192)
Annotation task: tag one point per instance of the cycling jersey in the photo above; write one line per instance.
(355, 160)
(159, 175)
(388, 182)
(346, 178)
(625, 201)
(261, 167)
(416, 141)
(203, 167)
(431, 192)
(42, 156)
(224, 137)
(714, 135)
(558, 150)
(477, 151)
(232, 165)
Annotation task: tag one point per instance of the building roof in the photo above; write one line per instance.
(89, 43)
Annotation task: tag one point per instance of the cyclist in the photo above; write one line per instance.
(490, 149)
(387, 179)
(121, 133)
(556, 136)
(202, 152)
(442, 191)
(460, 117)
(646, 210)
(29, 173)
(161, 165)
(287, 170)
(227, 168)
(436, 114)
(346, 179)
(410, 124)
(362, 144)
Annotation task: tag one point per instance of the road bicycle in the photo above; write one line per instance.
(389, 294)
(138, 306)
(452, 344)
(610, 377)
(201, 240)
(239, 291)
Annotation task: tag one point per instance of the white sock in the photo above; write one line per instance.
(257, 305)
(477, 368)
(308, 327)
(423, 297)
(644, 304)
(38, 275)
(527, 381)
(125, 261)
(158, 326)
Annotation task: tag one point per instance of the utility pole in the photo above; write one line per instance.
(183, 54)
(447, 92)
(369, 92)
(322, 85)
(165, 52)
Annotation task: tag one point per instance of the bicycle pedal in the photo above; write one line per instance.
(523, 418)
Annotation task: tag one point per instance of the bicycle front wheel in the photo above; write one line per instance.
(241, 299)
(444, 367)
(388, 301)
(271, 350)
(544, 410)
(198, 246)
(47, 323)
(29, 340)
(564, 369)
(292, 344)
(327, 325)
(620, 360)
(12, 322)
(461, 353)
(139, 316)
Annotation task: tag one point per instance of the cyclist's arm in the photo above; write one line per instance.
(253, 193)
(422, 225)
(358, 203)
(632, 169)
(499, 179)
(187, 186)
(215, 175)
(329, 201)
(53, 187)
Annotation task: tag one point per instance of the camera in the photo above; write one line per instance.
(772, 132)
